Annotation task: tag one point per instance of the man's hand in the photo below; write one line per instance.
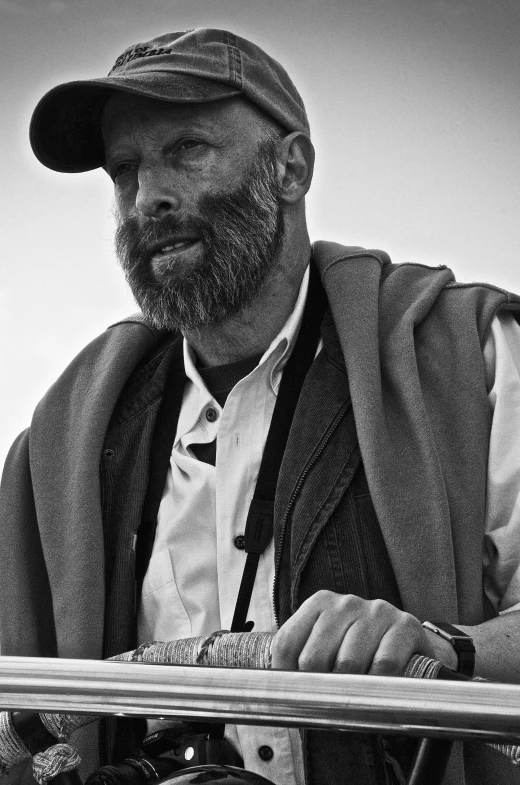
(346, 634)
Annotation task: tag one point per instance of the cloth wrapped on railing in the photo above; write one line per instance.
(222, 648)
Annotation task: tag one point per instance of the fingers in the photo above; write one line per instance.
(396, 648)
(346, 634)
(358, 649)
(310, 639)
(375, 642)
(297, 646)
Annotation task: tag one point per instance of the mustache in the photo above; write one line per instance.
(138, 237)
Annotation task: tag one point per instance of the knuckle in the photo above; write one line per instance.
(382, 608)
(331, 601)
(409, 623)
(385, 665)
(325, 596)
(348, 665)
(315, 658)
(307, 662)
(349, 605)
(281, 644)
(353, 601)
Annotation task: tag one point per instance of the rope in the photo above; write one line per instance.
(12, 748)
(61, 726)
(56, 760)
(511, 751)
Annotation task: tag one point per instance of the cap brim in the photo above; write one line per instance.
(65, 130)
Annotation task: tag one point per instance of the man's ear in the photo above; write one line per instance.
(295, 154)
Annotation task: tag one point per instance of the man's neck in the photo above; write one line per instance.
(252, 330)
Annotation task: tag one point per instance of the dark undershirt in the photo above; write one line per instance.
(220, 380)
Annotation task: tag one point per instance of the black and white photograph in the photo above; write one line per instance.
(260, 311)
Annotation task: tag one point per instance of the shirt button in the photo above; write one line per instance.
(265, 752)
(240, 542)
(211, 414)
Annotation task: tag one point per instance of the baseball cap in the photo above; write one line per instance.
(191, 66)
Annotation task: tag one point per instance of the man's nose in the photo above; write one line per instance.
(157, 194)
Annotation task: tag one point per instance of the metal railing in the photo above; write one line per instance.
(375, 704)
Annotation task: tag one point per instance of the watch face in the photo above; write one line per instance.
(444, 629)
(453, 631)
(220, 775)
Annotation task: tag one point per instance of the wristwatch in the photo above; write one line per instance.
(461, 642)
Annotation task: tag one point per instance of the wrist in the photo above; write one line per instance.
(443, 651)
(462, 655)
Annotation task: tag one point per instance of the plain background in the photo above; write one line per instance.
(415, 113)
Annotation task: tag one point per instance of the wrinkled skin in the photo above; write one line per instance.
(346, 634)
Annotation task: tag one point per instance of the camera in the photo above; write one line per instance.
(168, 751)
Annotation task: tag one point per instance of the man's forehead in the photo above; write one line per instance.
(141, 107)
(124, 110)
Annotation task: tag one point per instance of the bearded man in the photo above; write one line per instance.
(382, 396)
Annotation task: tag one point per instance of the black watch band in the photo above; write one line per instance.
(461, 642)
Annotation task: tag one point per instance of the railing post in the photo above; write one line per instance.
(431, 762)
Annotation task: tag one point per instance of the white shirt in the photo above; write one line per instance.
(502, 539)
(192, 581)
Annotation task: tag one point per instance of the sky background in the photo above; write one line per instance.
(414, 108)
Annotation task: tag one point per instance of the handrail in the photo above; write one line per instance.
(375, 704)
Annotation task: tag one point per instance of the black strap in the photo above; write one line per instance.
(260, 518)
(259, 522)
(160, 453)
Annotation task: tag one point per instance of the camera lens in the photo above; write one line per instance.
(107, 775)
(134, 771)
(216, 775)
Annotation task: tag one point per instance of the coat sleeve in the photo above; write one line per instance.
(26, 612)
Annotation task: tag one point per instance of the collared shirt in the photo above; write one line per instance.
(502, 540)
(192, 581)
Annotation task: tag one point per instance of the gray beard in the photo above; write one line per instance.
(241, 233)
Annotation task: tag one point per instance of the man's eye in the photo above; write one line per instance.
(189, 144)
(121, 169)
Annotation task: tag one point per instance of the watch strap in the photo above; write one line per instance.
(461, 642)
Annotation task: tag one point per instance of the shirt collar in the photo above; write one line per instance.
(278, 351)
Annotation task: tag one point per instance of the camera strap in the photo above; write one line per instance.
(260, 518)
(160, 452)
(259, 523)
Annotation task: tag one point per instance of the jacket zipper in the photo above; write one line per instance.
(295, 493)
